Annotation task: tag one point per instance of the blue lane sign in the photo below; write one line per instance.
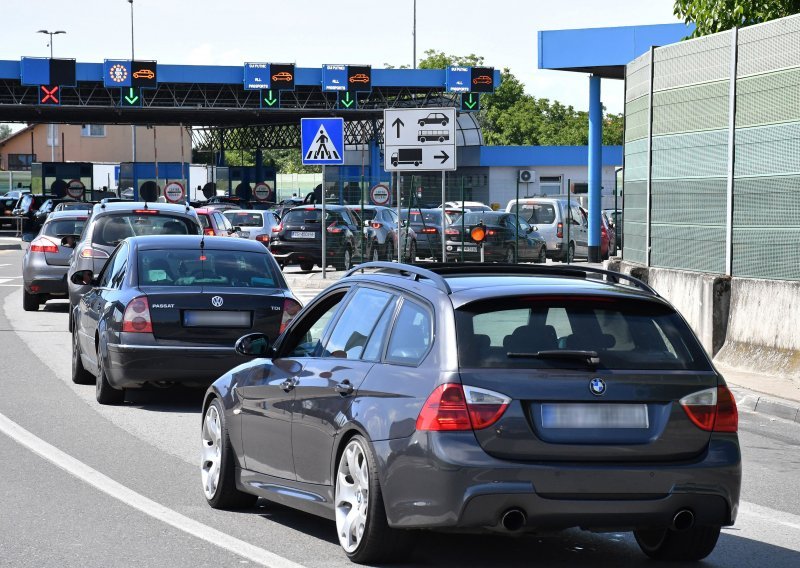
(322, 141)
(334, 78)
(458, 79)
(256, 76)
(117, 73)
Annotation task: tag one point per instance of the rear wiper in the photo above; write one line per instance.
(589, 357)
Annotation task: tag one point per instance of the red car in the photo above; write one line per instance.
(214, 223)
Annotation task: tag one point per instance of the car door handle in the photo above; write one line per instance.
(344, 388)
(289, 384)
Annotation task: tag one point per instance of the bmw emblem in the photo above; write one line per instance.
(217, 302)
(597, 386)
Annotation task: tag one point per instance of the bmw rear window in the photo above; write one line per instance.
(537, 332)
(218, 268)
(110, 230)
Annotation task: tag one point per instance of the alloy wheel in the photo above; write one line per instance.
(212, 451)
(352, 496)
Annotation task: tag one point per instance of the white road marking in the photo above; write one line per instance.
(782, 518)
(140, 502)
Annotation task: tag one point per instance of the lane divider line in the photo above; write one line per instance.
(138, 501)
(783, 518)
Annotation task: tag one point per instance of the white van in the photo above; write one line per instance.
(548, 214)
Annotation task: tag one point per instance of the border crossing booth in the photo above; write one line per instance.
(64, 179)
(132, 175)
(252, 183)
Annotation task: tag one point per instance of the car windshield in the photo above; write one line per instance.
(110, 230)
(63, 227)
(242, 219)
(537, 213)
(626, 335)
(218, 268)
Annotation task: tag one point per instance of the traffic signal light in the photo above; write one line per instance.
(478, 233)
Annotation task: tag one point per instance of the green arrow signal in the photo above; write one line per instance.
(470, 104)
(132, 97)
(271, 100)
(347, 102)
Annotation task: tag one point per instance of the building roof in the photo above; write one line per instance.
(520, 156)
(13, 135)
(604, 51)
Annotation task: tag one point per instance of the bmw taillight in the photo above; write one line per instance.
(560, 231)
(451, 407)
(91, 252)
(137, 316)
(43, 244)
(712, 410)
(290, 309)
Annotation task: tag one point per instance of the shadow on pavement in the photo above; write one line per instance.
(175, 399)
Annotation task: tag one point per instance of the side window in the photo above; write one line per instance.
(226, 224)
(306, 339)
(119, 268)
(392, 216)
(373, 350)
(411, 336)
(108, 269)
(354, 327)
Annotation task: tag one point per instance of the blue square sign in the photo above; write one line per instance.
(458, 79)
(334, 77)
(256, 76)
(117, 73)
(322, 141)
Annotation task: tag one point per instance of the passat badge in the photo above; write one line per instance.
(217, 301)
(597, 386)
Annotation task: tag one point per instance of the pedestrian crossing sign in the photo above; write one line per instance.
(322, 141)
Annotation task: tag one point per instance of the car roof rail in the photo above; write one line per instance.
(563, 270)
(398, 269)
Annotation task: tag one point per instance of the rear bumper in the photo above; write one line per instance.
(465, 489)
(131, 366)
(296, 253)
(38, 277)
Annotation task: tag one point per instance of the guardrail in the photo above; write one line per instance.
(17, 224)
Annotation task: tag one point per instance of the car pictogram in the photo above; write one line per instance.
(282, 76)
(144, 74)
(359, 78)
(482, 80)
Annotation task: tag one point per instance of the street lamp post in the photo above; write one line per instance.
(52, 126)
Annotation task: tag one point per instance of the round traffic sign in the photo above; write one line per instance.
(262, 191)
(173, 192)
(75, 188)
(379, 194)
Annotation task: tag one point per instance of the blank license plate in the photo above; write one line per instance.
(595, 416)
(468, 249)
(217, 318)
(303, 234)
(244, 234)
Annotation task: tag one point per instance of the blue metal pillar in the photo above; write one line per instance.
(595, 167)
(374, 163)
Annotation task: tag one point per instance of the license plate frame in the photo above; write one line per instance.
(303, 234)
(582, 416)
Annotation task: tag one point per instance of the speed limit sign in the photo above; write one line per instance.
(174, 192)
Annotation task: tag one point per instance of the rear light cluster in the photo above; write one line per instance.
(137, 316)
(429, 230)
(146, 211)
(43, 244)
(277, 228)
(290, 309)
(451, 231)
(263, 238)
(376, 225)
(334, 228)
(209, 231)
(712, 410)
(453, 407)
(560, 231)
(90, 252)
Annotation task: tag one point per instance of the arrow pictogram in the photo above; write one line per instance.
(397, 124)
(347, 102)
(131, 97)
(443, 157)
(270, 100)
(470, 104)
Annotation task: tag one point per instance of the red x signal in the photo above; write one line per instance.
(49, 95)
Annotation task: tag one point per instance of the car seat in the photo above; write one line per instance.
(531, 338)
(116, 230)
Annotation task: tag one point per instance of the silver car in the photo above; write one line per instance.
(253, 224)
(45, 264)
(564, 241)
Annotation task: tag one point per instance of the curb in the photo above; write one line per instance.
(10, 247)
(753, 402)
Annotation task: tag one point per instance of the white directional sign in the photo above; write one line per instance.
(419, 139)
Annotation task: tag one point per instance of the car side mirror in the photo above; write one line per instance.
(69, 241)
(27, 237)
(236, 229)
(253, 345)
(82, 278)
(404, 223)
(531, 229)
(366, 222)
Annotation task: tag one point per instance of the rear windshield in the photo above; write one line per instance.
(205, 222)
(366, 214)
(538, 213)
(629, 335)
(417, 217)
(305, 216)
(63, 227)
(239, 219)
(221, 268)
(490, 218)
(69, 205)
(110, 230)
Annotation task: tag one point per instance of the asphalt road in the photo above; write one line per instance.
(84, 485)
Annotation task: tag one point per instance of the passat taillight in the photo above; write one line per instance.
(137, 316)
(712, 410)
(560, 231)
(290, 309)
(452, 407)
(91, 252)
(43, 244)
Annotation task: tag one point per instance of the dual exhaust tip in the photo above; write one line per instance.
(515, 519)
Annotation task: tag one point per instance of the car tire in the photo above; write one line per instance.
(693, 544)
(375, 252)
(218, 467)
(80, 376)
(30, 302)
(390, 255)
(542, 256)
(571, 253)
(361, 526)
(509, 256)
(306, 267)
(412, 252)
(104, 392)
(345, 261)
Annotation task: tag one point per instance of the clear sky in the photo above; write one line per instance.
(313, 32)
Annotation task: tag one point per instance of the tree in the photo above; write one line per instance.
(712, 16)
(5, 131)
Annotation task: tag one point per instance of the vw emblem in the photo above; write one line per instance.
(597, 386)
(217, 302)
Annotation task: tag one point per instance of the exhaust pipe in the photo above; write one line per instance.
(683, 520)
(514, 519)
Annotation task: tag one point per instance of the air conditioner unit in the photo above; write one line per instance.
(527, 176)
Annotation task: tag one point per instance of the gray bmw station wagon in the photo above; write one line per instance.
(481, 398)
